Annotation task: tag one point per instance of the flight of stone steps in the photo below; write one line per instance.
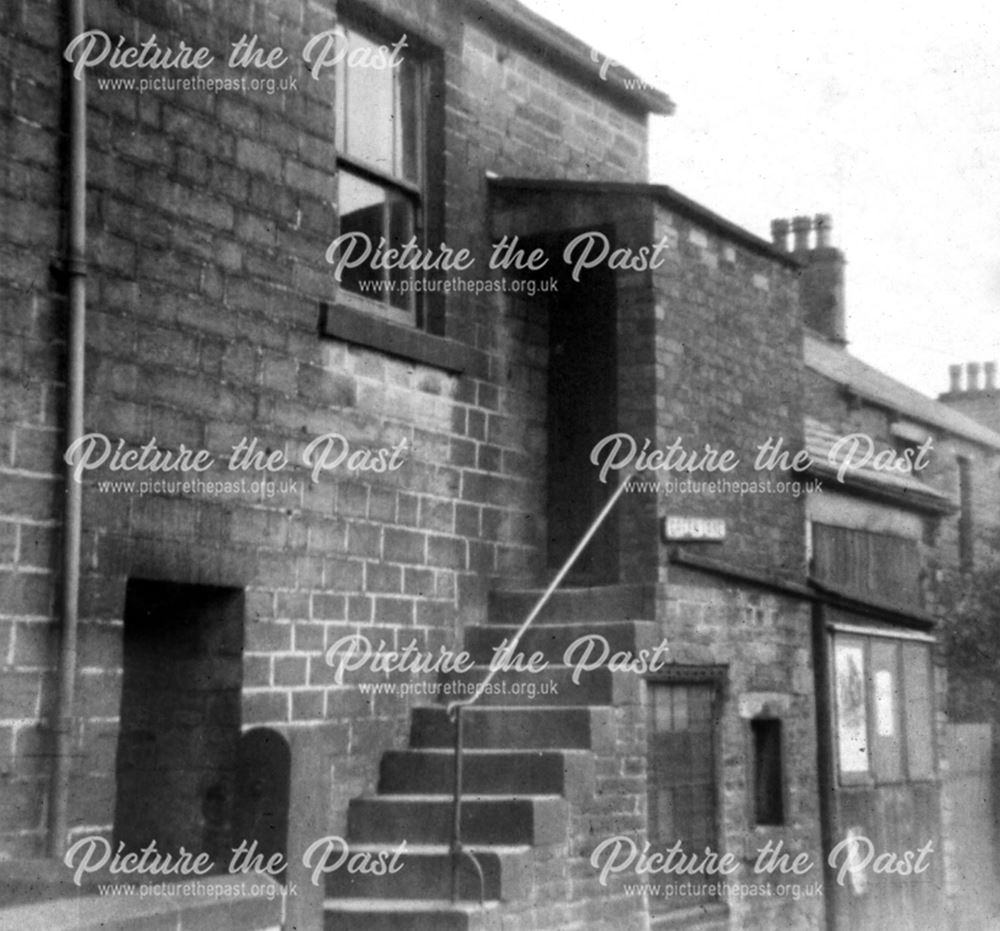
(529, 777)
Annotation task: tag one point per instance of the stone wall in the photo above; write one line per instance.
(208, 217)
(728, 376)
(763, 641)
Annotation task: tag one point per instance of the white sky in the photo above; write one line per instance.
(885, 116)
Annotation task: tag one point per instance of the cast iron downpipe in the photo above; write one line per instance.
(76, 272)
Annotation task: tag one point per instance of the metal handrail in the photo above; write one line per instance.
(454, 708)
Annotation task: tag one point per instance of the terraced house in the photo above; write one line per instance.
(333, 333)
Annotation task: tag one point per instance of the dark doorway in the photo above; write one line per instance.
(582, 409)
(178, 746)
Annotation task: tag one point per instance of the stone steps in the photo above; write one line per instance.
(538, 727)
(568, 773)
(602, 603)
(425, 873)
(486, 820)
(531, 745)
(553, 686)
(554, 640)
(381, 914)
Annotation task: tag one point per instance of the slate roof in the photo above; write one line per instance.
(868, 382)
(904, 488)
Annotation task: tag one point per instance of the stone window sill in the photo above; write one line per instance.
(339, 321)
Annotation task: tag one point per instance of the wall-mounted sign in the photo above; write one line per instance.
(677, 529)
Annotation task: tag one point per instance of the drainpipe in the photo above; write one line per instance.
(76, 272)
(825, 771)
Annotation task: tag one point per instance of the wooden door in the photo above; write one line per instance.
(886, 855)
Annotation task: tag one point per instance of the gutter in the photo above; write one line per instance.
(873, 486)
(76, 273)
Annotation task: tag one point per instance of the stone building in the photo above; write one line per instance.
(911, 500)
(292, 452)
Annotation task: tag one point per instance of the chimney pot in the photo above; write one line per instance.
(823, 224)
(800, 228)
(955, 378)
(779, 234)
(971, 376)
(990, 371)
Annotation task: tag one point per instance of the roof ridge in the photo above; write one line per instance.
(836, 363)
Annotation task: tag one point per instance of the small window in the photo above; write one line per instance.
(380, 167)
(768, 783)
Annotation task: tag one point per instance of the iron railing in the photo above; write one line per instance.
(455, 708)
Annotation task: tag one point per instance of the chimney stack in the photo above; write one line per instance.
(971, 376)
(964, 380)
(823, 223)
(779, 234)
(977, 399)
(821, 281)
(955, 378)
(800, 229)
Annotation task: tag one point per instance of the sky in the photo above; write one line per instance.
(885, 116)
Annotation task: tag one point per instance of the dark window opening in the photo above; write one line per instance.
(768, 783)
(178, 743)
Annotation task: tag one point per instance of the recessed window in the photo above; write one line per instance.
(380, 164)
(769, 804)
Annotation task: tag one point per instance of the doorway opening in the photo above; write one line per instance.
(582, 410)
(178, 743)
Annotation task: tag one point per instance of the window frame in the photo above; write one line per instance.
(416, 194)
